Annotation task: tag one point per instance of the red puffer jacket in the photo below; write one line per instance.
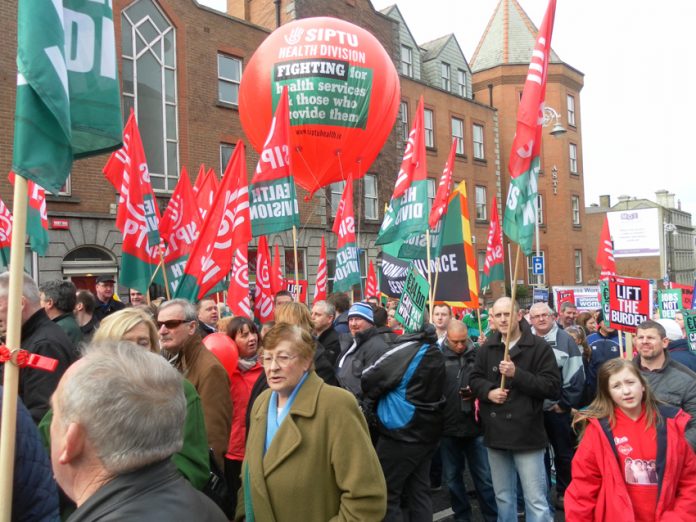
(240, 390)
(598, 491)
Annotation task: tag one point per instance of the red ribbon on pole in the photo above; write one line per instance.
(26, 359)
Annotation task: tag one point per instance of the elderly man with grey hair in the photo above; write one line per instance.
(118, 416)
(39, 335)
(177, 322)
(323, 315)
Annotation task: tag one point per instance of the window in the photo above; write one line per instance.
(404, 121)
(575, 203)
(148, 43)
(458, 134)
(65, 190)
(573, 155)
(536, 279)
(429, 128)
(229, 77)
(406, 61)
(336, 194)
(481, 197)
(430, 185)
(445, 73)
(478, 141)
(289, 266)
(370, 190)
(578, 266)
(540, 209)
(226, 151)
(481, 261)
(461, 82)
(571, 110)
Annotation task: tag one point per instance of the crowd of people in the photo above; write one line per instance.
(171, 410)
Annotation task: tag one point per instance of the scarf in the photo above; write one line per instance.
(245, 365)
(275, 419)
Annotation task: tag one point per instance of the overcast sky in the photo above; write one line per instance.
(638, 102)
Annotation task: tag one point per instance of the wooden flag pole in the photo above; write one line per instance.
(430, 286)
(513, 294)
(622, 352)
(294, 247)
(164, 274)
(14, 328)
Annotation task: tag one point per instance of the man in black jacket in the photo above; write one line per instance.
(39, 335)
(513, 415)
(323, 314)
(104, 292)
(408, 382)
(462, 440)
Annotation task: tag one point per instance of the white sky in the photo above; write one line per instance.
(638, 102)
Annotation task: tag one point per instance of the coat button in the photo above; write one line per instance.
(508, 415)
(493, 414)
(495, 369)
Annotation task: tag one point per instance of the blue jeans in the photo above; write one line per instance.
(456, 451)
(530, 467)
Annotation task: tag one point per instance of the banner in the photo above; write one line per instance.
(605, 254)
(585, 298)
(321, 282)
(347, 272)
(205, 190)
(540, 295)
(263, 295)
(687, 292)
(690, 326)
(521, 210)
(273, 201)
(392, 271)
(636, 232)
(669, 302)
(493, 269)
(292, 287)
(68, 99)
(238, 292)
(277, 279)
(604, 297)
(630, 302)
(410, 311)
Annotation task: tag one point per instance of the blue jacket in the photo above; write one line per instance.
(569, 360)
(679, 351)
(603, 349)
(34, 492)
(408, 383)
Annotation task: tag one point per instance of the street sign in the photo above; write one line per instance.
(538, 265)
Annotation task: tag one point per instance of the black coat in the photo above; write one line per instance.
(518, 423)
(460, 418)
(329, 338)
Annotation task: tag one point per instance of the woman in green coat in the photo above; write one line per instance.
(308, 453)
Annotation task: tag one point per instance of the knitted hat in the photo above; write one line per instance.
(362, 310)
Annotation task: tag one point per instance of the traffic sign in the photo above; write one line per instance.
(538, 265)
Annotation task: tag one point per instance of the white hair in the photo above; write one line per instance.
(189, 309)
(328, 308)
(129, 401)
(30, 290)
(541, 306)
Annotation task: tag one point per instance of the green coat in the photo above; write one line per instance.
(321, 465)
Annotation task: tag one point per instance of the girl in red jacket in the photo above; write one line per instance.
(633, 462)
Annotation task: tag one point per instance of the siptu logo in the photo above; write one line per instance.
(294, 36)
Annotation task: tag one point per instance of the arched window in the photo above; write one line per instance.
(149, 87)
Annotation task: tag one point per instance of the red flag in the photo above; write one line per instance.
(181, 223)
(371, 283)
(443, 188)
(263, 296)
(274, 162)
(277, 278)
(205, 191)
(493, 266)
(227, 226)
(320, 287)
(238, 292)
(344, 222)
(413, 166)
(605, 254)
(200, 180)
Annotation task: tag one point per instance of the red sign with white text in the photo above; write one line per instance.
(630, 302)
(291, 287)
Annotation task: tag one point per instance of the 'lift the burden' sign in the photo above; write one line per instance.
(630, 302)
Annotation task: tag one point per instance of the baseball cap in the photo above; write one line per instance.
(106, 279)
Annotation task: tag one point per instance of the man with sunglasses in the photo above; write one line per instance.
(177, 323)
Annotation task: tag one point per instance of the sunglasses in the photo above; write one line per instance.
(171, 324)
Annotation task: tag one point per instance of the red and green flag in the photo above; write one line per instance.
(521, 209)
(347, 271)
(226, 227)
(321, 283)
(68, 100)
(493, 269)
(37, 218)
(179, 228)
(238, 291)
(408, 211)
(263, 294)
(5, 233)
(205, 189)
(273, 200)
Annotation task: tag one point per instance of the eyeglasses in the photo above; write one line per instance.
(282, 359)
(171, 324)
(539, 316)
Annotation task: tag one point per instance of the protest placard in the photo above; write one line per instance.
(630, 302)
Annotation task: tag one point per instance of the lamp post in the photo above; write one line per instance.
(668, 228)
(550, 116)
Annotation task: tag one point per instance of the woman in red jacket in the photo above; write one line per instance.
(633, 462)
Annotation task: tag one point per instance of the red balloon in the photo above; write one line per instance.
(344, 97)
(225, 349)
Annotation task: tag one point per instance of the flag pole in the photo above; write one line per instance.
(11, 371)
(294, 247)
(513, 292)
(164, 273)
(622, 352)
(430, 286)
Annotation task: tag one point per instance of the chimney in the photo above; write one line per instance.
(624, 198)
(605, 201)
(662, 198)
(679, 204)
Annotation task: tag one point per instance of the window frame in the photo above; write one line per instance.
(479, 147)
(230, 81)
(575, 209)
(403, 114)
(570, 101)
(336, 196)
(577, 268)
(429, 132)
(446, 76)
(573, 158)
(223, 164)
(481, 205)
(406, 64)
(373, 200)
(460, 139)
(430, 191)
(461, 85)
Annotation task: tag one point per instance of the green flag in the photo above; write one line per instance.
(347, 272)
(410, 311)
(406, 215)
(68, 103)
